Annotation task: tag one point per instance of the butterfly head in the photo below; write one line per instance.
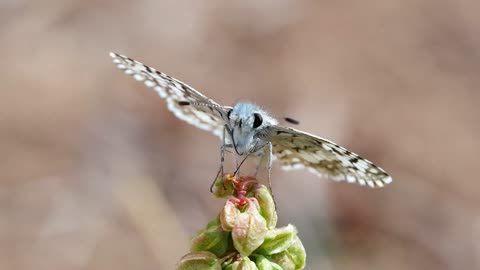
(245, 121)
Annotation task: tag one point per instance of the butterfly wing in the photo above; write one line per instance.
(210, 117)
(296, 149)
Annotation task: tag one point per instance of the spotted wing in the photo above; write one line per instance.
(296, 149)
(209, 116)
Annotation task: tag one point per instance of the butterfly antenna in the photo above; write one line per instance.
(187, 103)
(291, 121)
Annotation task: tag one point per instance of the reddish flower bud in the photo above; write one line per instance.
(229, 215)
(249, 230)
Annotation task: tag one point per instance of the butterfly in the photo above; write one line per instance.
(248, 129)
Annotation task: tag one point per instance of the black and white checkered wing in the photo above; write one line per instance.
(295, 149)
(208, 117)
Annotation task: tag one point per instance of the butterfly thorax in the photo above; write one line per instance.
(246, 122)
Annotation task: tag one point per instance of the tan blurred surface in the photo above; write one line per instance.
(95, 173)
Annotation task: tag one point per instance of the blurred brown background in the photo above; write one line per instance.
(95, 173)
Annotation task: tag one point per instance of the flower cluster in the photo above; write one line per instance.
(243, 235)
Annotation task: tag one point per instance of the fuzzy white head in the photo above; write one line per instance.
(246, 121)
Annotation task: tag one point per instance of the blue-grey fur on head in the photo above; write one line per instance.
(242, 118)
(245, 108)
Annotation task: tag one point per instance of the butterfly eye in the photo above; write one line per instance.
(228, 113)
(257, 121)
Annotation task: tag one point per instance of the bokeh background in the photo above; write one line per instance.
(95, 173)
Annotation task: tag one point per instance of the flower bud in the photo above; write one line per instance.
(244, 264)
(264, 264)
(249, 230)
(267, 206)
(223, 186)
(199, 261)
(292, 258)
(278, 240)
(228, 216)
(213, 239)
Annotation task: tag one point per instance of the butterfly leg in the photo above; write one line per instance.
(269, 168)
(245, 158)
(268, 152)
(240, 165)
(260, 161)
(222, 159)
(269, 164)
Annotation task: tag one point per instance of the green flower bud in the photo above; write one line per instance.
(264, 264)
(278, 240)
(229, 215)
(267, 206)
(244, 264)
(223, 187)
(213, 239)
(249, 230)
(199, 261)
(293, 258)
